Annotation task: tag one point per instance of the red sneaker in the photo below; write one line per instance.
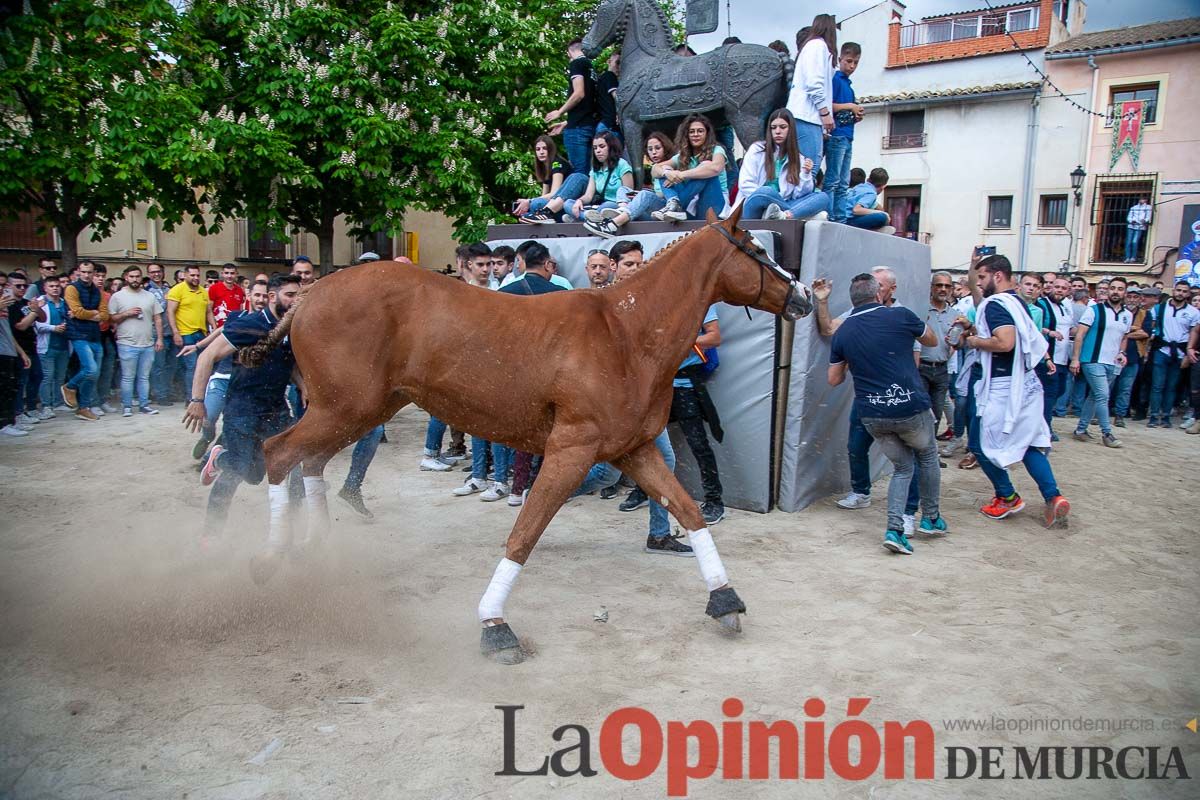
(946, 435)
(210, 471)
(1000, 508)
(1055, 515)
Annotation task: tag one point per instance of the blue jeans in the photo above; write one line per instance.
(707, 189)
(1123, 389)
(577, 141)
(573, 187)
(838, 150)
(858, 447)
(1099, 378)
(1035, 461)
(162, 375)
(54, 373)
(501, 459)
(643, 204)
(435, 432)
(756, 204)
(909, 441)
(1062, 389)
(90, 355)
(243, 460)
(1049, 384)
(108, 368)
(1163, 381)
(871, 221)
(1133, 238)
(136, 363)
(361, 458)
(810, 138)
(214, 402)
(189, 362)
(28, 384)
(603, 475)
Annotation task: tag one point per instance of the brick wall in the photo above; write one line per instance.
(968, 48)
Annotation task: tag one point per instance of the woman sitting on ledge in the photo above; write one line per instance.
(776, 182)
(554, 173)
(608, 222)
(703, 178)
(610, 180)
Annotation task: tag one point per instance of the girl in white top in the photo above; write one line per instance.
(811, 97)
(776, 182)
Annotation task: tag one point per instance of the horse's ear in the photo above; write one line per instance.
(736, 216)
(711, 217)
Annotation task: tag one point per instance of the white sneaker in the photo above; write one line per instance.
(611, 213)
(46, 413)
(910, 524)
(13, 430)
(1187, 421)
(26, 419)
(98, 411)
(774, 211)
(517, 500)
(494, 492)
(127, 411)
(887, 230)
(671, 211)
(108, 408)
(430, 464)
(950, 448)
(470, 487)
(820, 216)
(854, 500)
(593, 215)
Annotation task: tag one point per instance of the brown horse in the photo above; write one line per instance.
(582, 376)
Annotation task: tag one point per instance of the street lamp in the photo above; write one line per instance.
(1077, 176)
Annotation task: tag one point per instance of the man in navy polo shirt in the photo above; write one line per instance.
(876, 342)
(255, 406)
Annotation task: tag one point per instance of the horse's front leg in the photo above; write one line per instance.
(568, 458)
(645, 465)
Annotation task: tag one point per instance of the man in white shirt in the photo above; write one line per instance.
(137, 315)
(1099, 350)
(1136, 223)
(1170, 323)
(1058, 322)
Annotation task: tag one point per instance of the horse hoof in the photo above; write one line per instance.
(500, 644)
(725, 607)
(264, 565)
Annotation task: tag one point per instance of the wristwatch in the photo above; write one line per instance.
(195, 400)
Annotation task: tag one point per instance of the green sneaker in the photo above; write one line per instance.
(934, 526)
(897, 542)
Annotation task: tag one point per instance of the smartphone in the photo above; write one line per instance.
(985, 250)
(515, 203)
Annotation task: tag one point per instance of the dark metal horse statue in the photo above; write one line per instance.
(745, 81)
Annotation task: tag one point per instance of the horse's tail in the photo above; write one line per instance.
(256, 354)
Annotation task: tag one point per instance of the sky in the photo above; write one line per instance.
(761, 21)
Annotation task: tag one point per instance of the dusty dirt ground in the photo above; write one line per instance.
(133, 667)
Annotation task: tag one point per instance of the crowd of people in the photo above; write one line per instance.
(799, 169)
(999, 356)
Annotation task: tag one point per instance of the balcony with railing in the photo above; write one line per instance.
(974, 26)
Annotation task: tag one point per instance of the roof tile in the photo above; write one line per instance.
(965, 91)
(1137, 34)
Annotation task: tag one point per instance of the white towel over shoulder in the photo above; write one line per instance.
(1010, 409)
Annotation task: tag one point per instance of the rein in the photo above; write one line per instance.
(764, 262)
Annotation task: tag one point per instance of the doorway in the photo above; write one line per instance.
(903, 205)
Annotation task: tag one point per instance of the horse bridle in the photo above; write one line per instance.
(765, 262)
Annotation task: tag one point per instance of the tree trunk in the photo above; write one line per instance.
(325, 241)
(70, 248)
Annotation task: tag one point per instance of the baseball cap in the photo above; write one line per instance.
(369, 256)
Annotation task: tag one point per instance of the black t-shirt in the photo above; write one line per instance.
(584, 112)
(606, 100)
(532, 284)
(258, 391)
(997, 317)
(26, 338)
(560, 166)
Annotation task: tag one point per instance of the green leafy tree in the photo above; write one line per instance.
(87, 116)
(367, 108)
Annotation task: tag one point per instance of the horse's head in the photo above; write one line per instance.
(748, 276)
(608, 27)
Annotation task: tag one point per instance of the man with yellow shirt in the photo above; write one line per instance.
(189, 313)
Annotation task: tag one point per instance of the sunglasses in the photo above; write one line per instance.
(596, 253)
(942, 285)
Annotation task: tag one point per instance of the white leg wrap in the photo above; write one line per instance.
(318, 506)
(491, 605)
(711, 568)
(279, 531)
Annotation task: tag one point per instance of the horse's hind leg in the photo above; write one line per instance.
(562, 471)
(645, 465)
